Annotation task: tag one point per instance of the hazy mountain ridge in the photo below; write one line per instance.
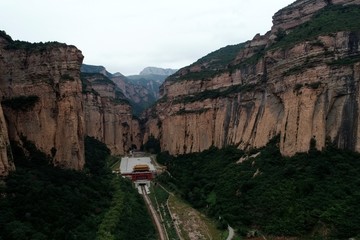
(151, 82)
(141, 90)
(157, 71)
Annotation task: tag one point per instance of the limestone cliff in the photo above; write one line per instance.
(108, 115)
(40, 89)
(300, 81)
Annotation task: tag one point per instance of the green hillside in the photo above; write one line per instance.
(311, 196)
(39, 201)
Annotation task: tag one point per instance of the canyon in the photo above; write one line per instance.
(299, 81)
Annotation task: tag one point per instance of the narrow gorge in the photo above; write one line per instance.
(300, 80)
(262, 137)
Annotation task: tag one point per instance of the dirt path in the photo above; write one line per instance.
(154, 215)
(192, 225)
(231, 233)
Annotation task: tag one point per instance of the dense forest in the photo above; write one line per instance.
(314, 195)
(39, 201)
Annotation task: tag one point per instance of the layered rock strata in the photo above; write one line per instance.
(40, 89)
(108, 115)
(300, 89)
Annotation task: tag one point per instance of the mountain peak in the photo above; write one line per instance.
(157, 71)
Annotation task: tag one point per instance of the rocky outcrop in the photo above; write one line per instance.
(298, 87)
(302, 11)
(86, 68)
(297, 13)
(108, 115)
(40, 89)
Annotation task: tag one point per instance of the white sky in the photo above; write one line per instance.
(127, 36)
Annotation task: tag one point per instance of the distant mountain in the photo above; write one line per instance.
(151, 78)
(151, 82)
(157, 71)
(117, 74)
(140, 90)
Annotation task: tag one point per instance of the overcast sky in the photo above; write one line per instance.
(126, 36)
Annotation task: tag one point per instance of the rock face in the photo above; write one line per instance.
(302, 84)
(297, 13)
(45, 102)
(6, 161)
(40, 89)
(108, 115)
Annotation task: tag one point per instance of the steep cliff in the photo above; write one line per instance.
(108, 115)
(6, 160)
(40, 89)
(300, 81)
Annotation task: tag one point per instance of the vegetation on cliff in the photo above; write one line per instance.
(90, 80)
(28, 46)
(39, 201)
(315, 194)
(212, 64)
(331, 19)
(215, 93)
